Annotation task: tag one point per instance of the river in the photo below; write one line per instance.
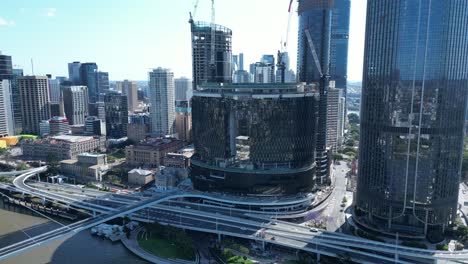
(74, 249)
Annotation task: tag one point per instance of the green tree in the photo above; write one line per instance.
(353, 118)
(22, 166)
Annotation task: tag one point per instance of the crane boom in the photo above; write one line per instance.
(314, 53)
(212, 59)
(286, 42)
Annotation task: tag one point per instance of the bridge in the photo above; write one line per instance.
(279, 233)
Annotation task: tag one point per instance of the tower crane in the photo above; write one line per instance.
(284, 45)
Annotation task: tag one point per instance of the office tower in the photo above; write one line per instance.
(289, 76)
(130, 89)
(312, 17)
(94, 126)
(252, 69)
(103, 84)
(333, 117)
(208, 67)
(235, 62)
(98, 109)
(247, 143)
(414, 96)
(267, 58)
(75, 101)
(88, 78)
(162, 109)
(6, 68)
(56, 109)
(341, 118)
(317, 17)
(34, 93)
(241, 61)
(116, 115)
(74, 72)
(16, 100)
(183, 120)
(241, 76)
(264, 72)
(183, 89)
(54, 90)
(6, 112)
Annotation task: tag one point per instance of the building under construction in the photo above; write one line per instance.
(211, 60)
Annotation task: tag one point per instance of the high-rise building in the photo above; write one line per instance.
(89, 78)
(235, 62)
(6, 68)
(183, 120)
(98, 109)
(54, 90)
(341, 118)
(414, 96)
(94, 126)
(103, 84)
(264, 72)
(116, 115)
(162, 109)
(7, 127)
(241, 61)
(59, 126)
(183, 89)
(204, 69)
(317, 18)
(34, 93)
(75, 101)
(247, 142)
(74, 72)
(241, 76)
(16, 100)
(314, 17)
(333, 117)
(130, 89)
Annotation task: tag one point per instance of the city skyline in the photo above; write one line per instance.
(131, 57)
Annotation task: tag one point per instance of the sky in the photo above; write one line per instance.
(128, 37)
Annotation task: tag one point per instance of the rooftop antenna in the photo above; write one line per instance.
(32, 66)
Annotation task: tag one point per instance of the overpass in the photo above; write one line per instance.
(284, 233)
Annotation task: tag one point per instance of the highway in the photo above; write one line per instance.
(284, 233)
(334, 211)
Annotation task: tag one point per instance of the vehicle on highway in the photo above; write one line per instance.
(273, 222)
(273, 238)
(313, 229)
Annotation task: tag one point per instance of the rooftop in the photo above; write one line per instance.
(72, 139)
(141, 172)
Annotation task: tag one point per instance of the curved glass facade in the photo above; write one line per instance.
(412, 114)
(254, 138)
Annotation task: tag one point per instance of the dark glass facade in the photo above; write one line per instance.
(203, 71)
(6, 68)
(116, 109)
(412, 115)
(16, 100)
(89, 77)
(252, 138)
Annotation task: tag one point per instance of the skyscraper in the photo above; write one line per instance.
(16, 100)
(103, 84)
(75, 101)
(312, 17)
(414, 96)
(88, 78)
(74, 72)
(54, 90)
(333, 118)
(162, 109)
(130, 89)
(6, 68)
(34, 93)
(241, 61)
(183, 89)
(203, 69)
(116, 115)
(183, 120)
(6, 113)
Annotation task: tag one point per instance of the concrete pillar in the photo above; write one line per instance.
(263, 245)
(94, 213)
(390, 219)
(425, 222)
(219, 237)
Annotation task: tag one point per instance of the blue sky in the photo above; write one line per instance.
(128, 37)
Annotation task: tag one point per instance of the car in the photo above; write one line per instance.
(273, 222)
(273, 238)
(313, 229)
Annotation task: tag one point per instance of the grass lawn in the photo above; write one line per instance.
(238, 260)
(164, 249)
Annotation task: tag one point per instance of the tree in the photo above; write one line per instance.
(353, 118)
(337, 157)
(22, 166)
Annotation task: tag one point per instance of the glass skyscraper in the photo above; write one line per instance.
(88, 76)
(414, 97)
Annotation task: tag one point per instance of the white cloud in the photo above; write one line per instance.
(50, 12)
(5, 23)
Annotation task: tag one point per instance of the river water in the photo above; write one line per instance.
(75, 249)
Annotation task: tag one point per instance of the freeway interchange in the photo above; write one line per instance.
(211, 219)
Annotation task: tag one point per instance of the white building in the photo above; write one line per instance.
(7, 127)
(335, 117)
(75, 100)
(130, 89)
(162, 109)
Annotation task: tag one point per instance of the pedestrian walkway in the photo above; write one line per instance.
(132, 245)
